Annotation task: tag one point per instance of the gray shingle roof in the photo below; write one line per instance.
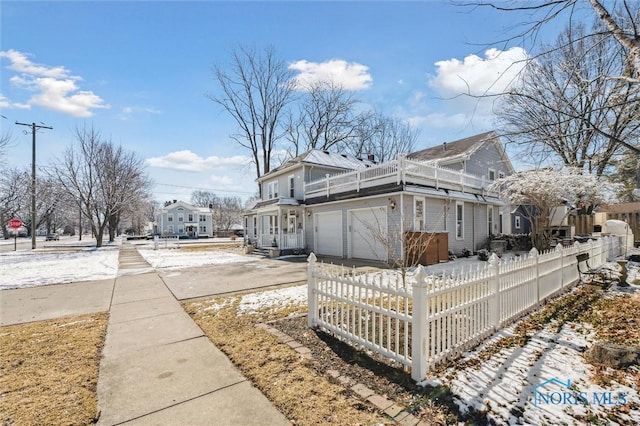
(452, 149)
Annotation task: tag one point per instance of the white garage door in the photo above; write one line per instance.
(368, 235)
(328, 233)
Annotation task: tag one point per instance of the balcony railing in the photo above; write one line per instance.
(396, 171)
(283, 242)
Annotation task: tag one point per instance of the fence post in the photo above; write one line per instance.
(560, 248)
(312, 302)
(494, 290)
(534, 253)
(419, 331)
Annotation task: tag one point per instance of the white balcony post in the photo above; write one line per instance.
(419, 329)
(327, 180)
(358, 181)
(312, 302)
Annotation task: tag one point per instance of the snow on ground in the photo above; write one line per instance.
(280, 298)
(26, 268)
(176, 259)
(507, 385)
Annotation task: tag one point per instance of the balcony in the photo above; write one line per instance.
(397, 172)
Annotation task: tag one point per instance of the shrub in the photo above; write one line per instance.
(483, 254)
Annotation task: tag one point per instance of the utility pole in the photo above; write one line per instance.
(34, 129)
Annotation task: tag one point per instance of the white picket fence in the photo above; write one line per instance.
(424, 319)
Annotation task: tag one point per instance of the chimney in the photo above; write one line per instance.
(210, 206)
(175, 201)
(371, 158)
(444, 146)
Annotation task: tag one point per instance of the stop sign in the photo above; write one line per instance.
(15, 223)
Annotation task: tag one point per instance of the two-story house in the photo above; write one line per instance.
(184, 220)
(278, 220)
(364, 210)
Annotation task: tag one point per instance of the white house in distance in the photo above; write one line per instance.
(345, 207)
(184, 220)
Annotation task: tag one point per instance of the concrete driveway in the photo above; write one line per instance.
(234, 277)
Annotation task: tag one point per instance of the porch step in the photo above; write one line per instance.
(261, 251)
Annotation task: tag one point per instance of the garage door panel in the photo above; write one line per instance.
(368, 234)
(328, 234)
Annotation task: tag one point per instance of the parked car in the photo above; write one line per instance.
(52, 237)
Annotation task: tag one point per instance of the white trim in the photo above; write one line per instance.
(291, 183)
(415, 213)
(490, 220)
(489, 175)
(459, 235)
(516, 221)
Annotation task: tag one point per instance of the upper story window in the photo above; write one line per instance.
(492, 175)
(190, 217)
(203, 218)
(170, 217)
(500, 175)
(180, 217)
(292, 186)
(272, 190)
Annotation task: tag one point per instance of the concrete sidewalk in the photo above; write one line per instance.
(159, 368)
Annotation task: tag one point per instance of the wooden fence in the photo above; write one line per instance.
(421, 320)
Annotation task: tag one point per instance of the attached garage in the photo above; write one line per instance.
(328, 234)
(368, 234)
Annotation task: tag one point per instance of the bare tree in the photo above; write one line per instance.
(102, 179)
(14, 196)
(328, 118)
(383, 137)
(565, 108)
(255, 91)
(227, 211)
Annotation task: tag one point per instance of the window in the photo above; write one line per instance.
(203, 218)
(292, 187)
(490, 219)
(169, 218)
(190, 219)
(272, 189)
(516, 222)
(418, 221)
(273, 225)
(203, 229)
(492, 175)
(500, 175)
(459, 221)
(180, 217)
(170, 229)
(255, 226)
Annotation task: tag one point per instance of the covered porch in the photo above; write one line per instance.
(279, 226)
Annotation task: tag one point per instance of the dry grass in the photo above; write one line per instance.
(283, 375)
(229, 247)
(50, 371)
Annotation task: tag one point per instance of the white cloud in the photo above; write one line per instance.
(223, 180)
(188, 161)
(128, 111)
(54, 87)
(7, 104)
(478, 76)
(348, 75)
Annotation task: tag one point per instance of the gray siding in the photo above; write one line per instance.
(485, 158)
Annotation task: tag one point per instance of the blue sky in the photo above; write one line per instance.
(139, 73)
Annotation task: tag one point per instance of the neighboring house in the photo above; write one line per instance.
(339, 206)
(184, 220)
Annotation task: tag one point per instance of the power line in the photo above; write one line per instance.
(204, 189)
(34, 129)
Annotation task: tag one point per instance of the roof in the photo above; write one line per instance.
(186, 206)
(322, 158)
(456, 148)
